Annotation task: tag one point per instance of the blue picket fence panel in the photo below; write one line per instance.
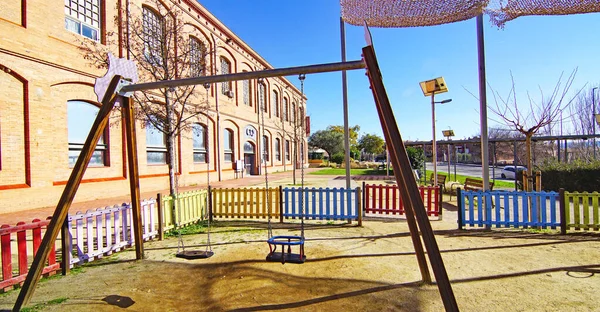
(321, 203)
(509, 209)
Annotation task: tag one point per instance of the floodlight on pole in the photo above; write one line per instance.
(431, 88)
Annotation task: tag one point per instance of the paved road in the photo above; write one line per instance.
(468, 170)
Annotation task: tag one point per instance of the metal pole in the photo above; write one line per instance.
(455, 161)
(594, 118)
(448, 158)
(268, 73)
(345, 103)
(435, 179)
(483, 105)
(424, 166)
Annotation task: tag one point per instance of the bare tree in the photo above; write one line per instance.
(530, 120)
(164, 48)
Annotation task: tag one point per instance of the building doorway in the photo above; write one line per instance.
(250, 158)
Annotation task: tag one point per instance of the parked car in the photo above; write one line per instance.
(509, 171)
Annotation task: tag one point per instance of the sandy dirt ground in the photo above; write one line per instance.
(349, 268)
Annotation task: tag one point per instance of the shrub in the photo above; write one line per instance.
(337, 158)
(578, 175)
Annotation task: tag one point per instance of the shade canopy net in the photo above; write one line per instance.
(414, 13)
(409, 13)
(502, 11)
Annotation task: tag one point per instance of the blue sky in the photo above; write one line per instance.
(536, 49)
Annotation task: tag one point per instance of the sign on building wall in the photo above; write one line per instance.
(250, 133)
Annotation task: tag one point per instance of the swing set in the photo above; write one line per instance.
(120, 89)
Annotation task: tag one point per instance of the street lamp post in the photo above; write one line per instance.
(449, 134)
(433, 87)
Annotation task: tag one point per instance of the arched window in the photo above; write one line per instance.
(277, 149)
(301, 116)
(285, 104)
(262, 93)
(246, 92)
(200, 139)
(265, 147)
(152, 36)
(228, 145)
(287, 150)
(294, 113)
(156, 144)
(275, 102)
(83, 17)
(286, 111)
(197, 57)
(80, 118)
(225, 69)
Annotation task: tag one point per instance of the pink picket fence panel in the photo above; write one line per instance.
(385, 199)
(103, 231)
(18, 236)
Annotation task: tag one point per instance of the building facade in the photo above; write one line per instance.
(47, 105)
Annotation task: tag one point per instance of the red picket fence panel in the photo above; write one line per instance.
(385, 199)
(10, 278)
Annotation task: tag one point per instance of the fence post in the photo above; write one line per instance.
(65, 238)
(440, 202)
(161, 221)
(459, 203)
(359, 205)
(280, 204)
(210, 204)
(563, 209)
(363, 197)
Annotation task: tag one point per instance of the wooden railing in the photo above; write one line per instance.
(186, 208)
(582, 210)
(322, 203)
(385, 199)
(245, 203)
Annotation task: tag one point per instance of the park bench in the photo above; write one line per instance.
(471, 184)
(441, 179)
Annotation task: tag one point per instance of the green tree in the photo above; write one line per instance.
(331, 141)
(371, 143)
(353, 133)
(416, 157)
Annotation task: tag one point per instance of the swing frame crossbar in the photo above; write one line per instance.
(283, 256)
(400, 162)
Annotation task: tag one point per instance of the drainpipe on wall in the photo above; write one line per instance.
(218, 143)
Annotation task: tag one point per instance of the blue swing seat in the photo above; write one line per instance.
(283, 256)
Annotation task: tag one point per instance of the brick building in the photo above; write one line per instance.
(47, 104)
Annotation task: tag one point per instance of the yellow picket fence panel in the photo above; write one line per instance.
(582, 210)
(245, 203)
(186, 208)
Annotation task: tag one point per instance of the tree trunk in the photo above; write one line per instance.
(170, 134)
(529, 160)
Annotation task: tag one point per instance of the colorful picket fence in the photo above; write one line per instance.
(185, 208)
(385, 199)
(582, 210)
(322, 203)
(245, 202)
(106, 230)
(18, 236)
(508, 209)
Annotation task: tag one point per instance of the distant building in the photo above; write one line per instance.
(48, 104)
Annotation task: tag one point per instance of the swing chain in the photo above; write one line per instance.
(262, 155)
(208, 244)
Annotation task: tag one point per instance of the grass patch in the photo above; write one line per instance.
(190, 229)
(461, 179)
(342, 171)
(41, 306)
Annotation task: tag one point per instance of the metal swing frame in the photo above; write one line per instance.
(415, 211)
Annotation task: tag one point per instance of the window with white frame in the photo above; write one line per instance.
(152, 36)
(285, 111)
(277, 149)
(199, 134)
(225, 69)
(265, 147)
(285, 104)
(156, 143)
(80, 118)
(287, 150)
(83, 17)
(275, 102)
(197, 57)
(228, 145)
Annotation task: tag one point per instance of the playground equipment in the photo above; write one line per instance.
(287, 240)
(207, 252)
(119, 88)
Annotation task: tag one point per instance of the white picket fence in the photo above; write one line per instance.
(106, 230)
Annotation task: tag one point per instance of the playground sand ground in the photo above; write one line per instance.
(349, 268)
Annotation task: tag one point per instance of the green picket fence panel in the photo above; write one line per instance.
(582, 211)
(185, 208)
